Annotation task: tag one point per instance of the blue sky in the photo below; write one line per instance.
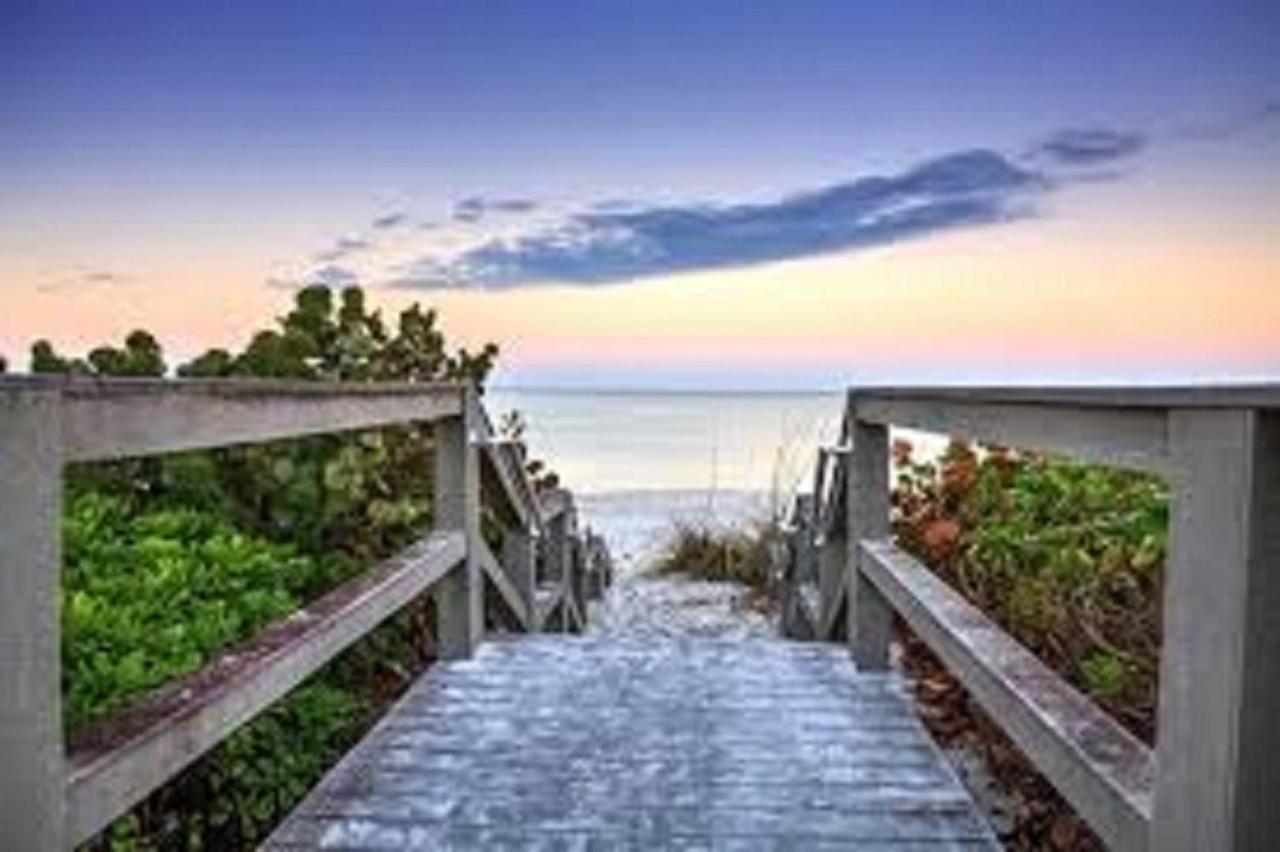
(647, 95)
(264, 140)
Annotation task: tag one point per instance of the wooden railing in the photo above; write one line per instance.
(1211, 781)
(50, 799)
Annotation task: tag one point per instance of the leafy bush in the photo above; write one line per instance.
(149, 596)
(152, 594)
(170, 560)
(1067, 557)
(361, 494)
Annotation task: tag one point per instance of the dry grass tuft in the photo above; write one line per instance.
(706, 551)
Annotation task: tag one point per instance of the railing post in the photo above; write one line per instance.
(32, 771)
(520, 565)
(556, 563)
(832, 553)
(869, 616)
(1218, 748)
(829, 550)
(581, 565)
(459, 597)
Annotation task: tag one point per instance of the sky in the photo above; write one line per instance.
(661, 195)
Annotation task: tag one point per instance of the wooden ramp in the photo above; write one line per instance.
(562, 742)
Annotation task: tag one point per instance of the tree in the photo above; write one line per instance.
(351, 343)
(141, 356)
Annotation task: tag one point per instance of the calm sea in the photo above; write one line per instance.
(639, 461)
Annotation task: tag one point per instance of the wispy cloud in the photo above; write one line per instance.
(331, 275)
(342, 247)
(1087, 147)
(477, 207)
(958, 190)
(500, 242)
(390, 220)
(82, 279)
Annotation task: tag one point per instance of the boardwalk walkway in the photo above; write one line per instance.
(606, 742)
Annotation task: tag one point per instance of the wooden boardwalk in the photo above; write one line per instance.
(563, 742)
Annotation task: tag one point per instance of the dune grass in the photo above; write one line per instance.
(733, 553)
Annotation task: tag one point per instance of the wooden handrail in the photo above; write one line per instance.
(49, 800)
(164, 733)
(1217, 758)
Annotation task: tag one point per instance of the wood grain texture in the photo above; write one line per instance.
(602, 743)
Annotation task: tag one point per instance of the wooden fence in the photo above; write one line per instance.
(1211, 781)
(543, 575)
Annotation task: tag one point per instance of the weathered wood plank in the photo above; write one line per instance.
(116, 418)
(505, 465)
(498, 576)
(554, 503)
(546, 599)
(1123, 437)
(869, 620)
(644, 745)
(1219, 741)
(459, 599)
(160, 737)
(1105, 772)
(519, 563)
(31, 761)
(1264, 395)
(831, 557)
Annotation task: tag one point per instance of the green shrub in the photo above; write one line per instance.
(1066, 556)
(150, 596)
(170, 560)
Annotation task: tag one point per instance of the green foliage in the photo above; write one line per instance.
(171, 560)
(232, 797)
(140, 356)
(153, 595)
(45, 360)
(1067, 557)
(347, 343)
(359, 495)
(1104, 674)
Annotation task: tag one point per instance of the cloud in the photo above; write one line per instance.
(959, 190)
(390, 220)
(1085, 147)
(83, 279)
(476, 208)
(331, 275)
(342, 247)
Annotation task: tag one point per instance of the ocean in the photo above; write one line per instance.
(638, 462)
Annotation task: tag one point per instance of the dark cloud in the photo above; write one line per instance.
(600, 247)
(1087, 147)
(390, 220)
(476, 208)
(342, 247)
